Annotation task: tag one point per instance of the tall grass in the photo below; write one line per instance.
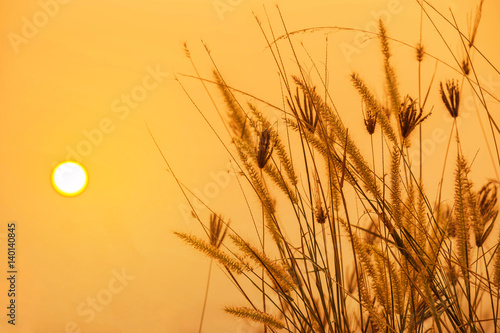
(421, 264)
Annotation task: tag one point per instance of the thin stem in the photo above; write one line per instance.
(444, 167)
(495, 318)
(264, 252)
(420, 91)
(206, 295)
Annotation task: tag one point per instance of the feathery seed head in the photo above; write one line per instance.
(420, 52)
(488, 211)
(475, 25)
(238, 118)
(384, 41)
(320, 213)
(186, 51)
(277, 272)
(465, 66)
(215, 253)
(446, 221)
(409, 117)
(256, 316)
(265, 149)
(452, 274)
(370, 119)
(487, 200)
(450, 97)
(217, 230)
(305, 111)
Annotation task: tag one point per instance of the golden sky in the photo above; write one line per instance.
(81, 79)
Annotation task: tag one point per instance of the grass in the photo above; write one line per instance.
(420, 265)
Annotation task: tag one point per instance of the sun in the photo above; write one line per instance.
(69, 178)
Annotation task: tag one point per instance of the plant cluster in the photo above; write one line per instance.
(419, 265)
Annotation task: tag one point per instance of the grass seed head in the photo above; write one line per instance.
(450, 97)
(370, 119)
(305, 110)
(218, 229)
(487, 200)
(488, 211)
(420, 52)
(465, 67)
(409, 117)
(320, 214)
(265, 149)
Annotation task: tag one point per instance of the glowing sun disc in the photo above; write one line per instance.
(69, 178)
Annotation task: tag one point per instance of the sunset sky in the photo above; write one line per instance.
(83, 80)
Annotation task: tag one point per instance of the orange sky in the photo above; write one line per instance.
(80, 79)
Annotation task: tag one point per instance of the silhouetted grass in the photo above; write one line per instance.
(421, 264)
